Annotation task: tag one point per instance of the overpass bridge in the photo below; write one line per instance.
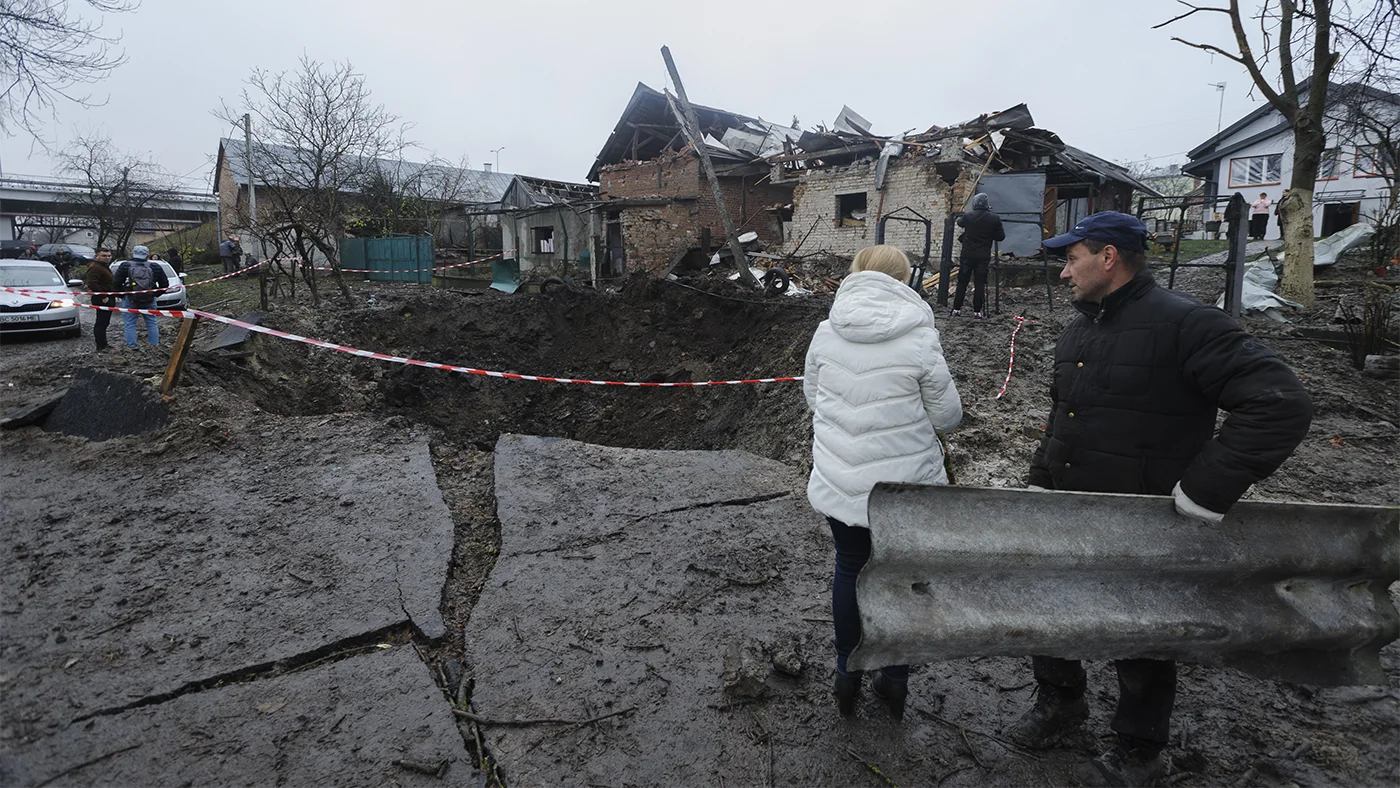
(38, 201)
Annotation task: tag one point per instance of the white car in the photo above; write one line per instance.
(50, 309)
(175, 296)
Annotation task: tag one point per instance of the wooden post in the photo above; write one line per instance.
(690, 124)
(177, 356)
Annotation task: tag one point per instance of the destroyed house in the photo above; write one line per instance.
(655, 202)
(846, 179)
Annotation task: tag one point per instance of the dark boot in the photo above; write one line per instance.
(1054, 714)
(1125, 766)
(846, 689)
(892, 692)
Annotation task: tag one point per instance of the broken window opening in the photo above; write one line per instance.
(544, 240)
(850, 210)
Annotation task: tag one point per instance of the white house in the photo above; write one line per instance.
(1254, 155)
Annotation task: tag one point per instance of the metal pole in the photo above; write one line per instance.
(252, 190)
(1220, 116)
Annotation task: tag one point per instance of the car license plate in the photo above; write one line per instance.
(19, 318)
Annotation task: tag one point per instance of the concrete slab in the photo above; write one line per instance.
(232, 336)
(128, 576)
(345, 723)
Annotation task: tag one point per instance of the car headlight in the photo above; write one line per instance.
(62, 302)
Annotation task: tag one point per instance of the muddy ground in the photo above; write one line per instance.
(277, 400)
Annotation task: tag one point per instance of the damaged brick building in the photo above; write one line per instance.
(826, 190)
(656, 204)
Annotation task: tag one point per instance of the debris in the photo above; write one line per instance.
(1328, 250)
(431, 769)
(745, 671)
(788, 661)
(479, 720)
(33, 413)
(1384, 367)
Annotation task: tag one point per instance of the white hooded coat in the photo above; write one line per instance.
(879, 390)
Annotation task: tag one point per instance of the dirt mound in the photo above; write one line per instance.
(101, 405)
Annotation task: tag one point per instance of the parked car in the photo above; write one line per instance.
(175, 297)
(51, 309)
(49, 252)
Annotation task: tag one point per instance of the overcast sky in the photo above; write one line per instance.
(548, 80)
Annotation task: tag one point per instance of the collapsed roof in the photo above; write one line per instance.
(1002, 141)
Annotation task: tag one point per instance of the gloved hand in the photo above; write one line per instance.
(1189, 508)
(1036, 488)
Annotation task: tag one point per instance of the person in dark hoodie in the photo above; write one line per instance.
(100, 283)
(981, 228)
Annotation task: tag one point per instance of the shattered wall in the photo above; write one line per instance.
(568, 238)
(913, 182)
(684, 205)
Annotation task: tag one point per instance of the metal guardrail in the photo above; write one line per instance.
(1289, 591)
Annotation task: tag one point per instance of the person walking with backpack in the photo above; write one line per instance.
(137, 276)
(99, 281)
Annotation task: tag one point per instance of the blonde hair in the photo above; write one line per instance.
(887, 260)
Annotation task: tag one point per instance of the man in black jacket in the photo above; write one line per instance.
(981, 228)
(1138, 379)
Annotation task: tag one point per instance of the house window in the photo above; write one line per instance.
(1374, 162)
(1330, 167)
(544, 239)
(1256, 170)
(850, 210)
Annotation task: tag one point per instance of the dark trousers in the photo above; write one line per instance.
(1258, 225)
(1146, 692)
(99, 327)
(230, 264)
(852, 553)
(976, 270)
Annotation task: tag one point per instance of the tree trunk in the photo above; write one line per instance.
(1296, 284)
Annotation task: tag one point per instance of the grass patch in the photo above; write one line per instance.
(1192, 250)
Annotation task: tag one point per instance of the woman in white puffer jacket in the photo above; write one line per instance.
(880, 391)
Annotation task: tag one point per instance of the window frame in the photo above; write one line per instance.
(1337, 164)
(1230, 171)
(1357, 172)
(839, 220)
(536, 233)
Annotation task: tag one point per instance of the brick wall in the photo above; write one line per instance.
(912, 183)
(652, 235)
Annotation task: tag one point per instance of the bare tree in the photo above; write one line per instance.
(47, 52)
(120, 189)
(317, 139)
(1312, 41)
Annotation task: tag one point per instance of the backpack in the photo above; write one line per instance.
(141, 274)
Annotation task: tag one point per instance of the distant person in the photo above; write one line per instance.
(981, 228)
(1259, 217)
(172, 256)
(880, 392)
(29, 253)
(142, 281)
(63, 261)
(1278, 211)
(229, 253)
(100, 283)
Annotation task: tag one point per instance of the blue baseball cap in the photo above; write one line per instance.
(140, 253)
(1110, 227)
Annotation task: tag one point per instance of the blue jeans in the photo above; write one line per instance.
(129, 321)
(852, 552)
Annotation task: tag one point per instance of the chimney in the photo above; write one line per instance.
(486, 167)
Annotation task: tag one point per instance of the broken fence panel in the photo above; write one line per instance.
(1289, 591)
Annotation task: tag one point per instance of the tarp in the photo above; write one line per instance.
(1328, 250)
(1260, 279)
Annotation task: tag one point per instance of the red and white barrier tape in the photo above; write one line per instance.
(1010, 365)
(187, 314)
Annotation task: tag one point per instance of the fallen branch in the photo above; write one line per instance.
(480, 720)
(999, 740)
(421, 767)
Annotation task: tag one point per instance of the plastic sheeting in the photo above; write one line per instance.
(1328, 250)
(1260, 279)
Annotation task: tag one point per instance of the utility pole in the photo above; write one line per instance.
(497, 151)
(252, 190)
(690, 123)
(1220, 116)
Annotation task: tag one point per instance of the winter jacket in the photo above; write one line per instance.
(980, 229)
(1138, 380)
(879, 389)
(99, 280)
(124, 282)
